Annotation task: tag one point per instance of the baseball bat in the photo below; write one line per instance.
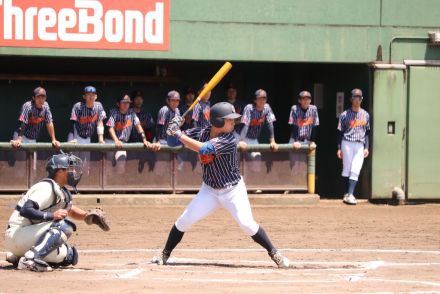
(211, 84)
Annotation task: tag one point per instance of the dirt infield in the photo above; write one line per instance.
(333, 248)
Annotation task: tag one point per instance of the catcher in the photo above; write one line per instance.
(38, 229)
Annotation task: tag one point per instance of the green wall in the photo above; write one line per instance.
(284, 30)
(388, 152)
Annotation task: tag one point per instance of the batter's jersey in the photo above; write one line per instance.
(122, 123)
(255, 119)
(305, 120)
(48, 195)
(147, 122)
(34, 118)
(165, 115)
(85, 118)
(188, 123)
(220, 168)
(201, 114)
(354, 125)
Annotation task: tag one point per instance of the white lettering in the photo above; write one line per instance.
(138, 19)
(47, 18)
(154, 25)
(85, 20)
(9, 12)
(29, 22)
(66, 20)
(114, 21)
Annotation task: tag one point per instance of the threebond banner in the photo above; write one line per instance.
(87, 24)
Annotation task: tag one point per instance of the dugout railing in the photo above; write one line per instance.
(169, 170)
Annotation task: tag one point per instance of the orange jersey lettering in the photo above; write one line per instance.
(35, 120)
(357, 123)
(120, 125)
(88, 119)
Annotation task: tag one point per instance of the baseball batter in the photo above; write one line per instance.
(39, 227)
(222, 185)
(353, 143)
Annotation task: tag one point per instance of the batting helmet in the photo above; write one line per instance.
(220, 111)
(66, 161)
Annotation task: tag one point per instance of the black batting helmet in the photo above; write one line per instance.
(220, 111)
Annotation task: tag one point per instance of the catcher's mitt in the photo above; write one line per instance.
(97, 216)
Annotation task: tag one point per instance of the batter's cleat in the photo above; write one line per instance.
(12, 258)
(280, 260)
(35, 265)
(349, 199)
(161, 259)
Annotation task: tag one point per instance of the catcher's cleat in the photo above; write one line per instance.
(349, 199)
(280, 260)
(35, 265)
(12, 258)
(161, 259)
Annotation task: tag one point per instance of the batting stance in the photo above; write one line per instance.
(39, 227)
(353, 143)
(222, 185)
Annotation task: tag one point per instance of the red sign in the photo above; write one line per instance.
(88, 24)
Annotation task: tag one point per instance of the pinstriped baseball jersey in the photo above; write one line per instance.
(201, 114)
(34, 118)
(255, 119)
(220, 169)
(163, 118)
(122, 123)
(147, 123)
(188, 118)
(304, 119)
(86, 118)
(354, 125)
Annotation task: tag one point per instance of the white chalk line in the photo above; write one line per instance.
(349, 250)
(435, 252)
(248, 281)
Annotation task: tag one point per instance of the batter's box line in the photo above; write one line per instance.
(344, 250)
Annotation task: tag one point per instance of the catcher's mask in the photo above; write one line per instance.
(69, 162)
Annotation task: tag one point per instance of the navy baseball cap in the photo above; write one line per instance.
(89, 89)
(356, 93)
(124, 99)
(303, 94)
(39, 91)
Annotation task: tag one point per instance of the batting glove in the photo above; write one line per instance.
(174, 129)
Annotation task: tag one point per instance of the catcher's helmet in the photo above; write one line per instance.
(220, 111)
(66, 161)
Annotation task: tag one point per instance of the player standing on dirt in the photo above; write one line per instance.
(222, 185)
(353, 143)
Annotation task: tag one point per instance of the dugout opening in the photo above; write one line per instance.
(64, 79)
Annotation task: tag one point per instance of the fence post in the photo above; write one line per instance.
(311, 162)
